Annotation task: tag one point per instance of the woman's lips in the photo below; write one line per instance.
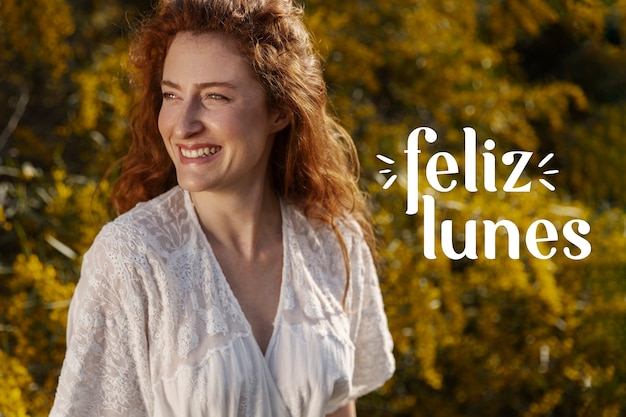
(200, 152)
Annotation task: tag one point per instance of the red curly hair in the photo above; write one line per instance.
(314, 163)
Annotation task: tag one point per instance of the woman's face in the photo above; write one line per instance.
(215, 119)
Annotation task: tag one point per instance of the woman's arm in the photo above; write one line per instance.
(348, 410)
(106, 370)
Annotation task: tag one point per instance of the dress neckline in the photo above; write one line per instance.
(189, 205)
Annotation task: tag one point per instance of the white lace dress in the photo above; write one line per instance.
(154, 329)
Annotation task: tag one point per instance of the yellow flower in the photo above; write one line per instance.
(4, 223)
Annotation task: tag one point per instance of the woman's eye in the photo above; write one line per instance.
(168, 96)
(214, 96)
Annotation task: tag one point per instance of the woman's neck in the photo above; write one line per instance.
(241, 224)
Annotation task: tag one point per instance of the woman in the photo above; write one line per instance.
(242, 283)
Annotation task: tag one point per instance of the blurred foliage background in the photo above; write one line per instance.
(502, 337)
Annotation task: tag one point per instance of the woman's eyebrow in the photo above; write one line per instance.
(200, 86)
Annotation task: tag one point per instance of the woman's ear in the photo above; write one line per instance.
(280, 119)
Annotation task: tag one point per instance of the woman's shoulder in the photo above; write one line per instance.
(147, 220)
(322, 234)
(168, 205)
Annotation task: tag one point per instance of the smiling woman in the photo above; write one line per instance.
(238, 281)
(212, 101)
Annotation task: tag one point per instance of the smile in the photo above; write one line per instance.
(200, 153)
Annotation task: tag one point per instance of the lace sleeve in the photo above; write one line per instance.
(106, 372)
(374, 361)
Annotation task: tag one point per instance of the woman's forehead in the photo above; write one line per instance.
(206, 54)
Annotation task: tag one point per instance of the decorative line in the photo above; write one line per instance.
(390, 181)
(547, 184)
(546, 160)
(385, 159)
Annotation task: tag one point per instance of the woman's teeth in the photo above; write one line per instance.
(199, 153)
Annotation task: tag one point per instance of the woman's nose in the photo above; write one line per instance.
(188, 122)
